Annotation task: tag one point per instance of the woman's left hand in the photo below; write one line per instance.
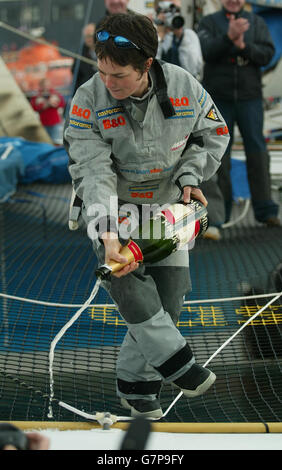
(195, 193)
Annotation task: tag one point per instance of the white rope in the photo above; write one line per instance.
(241, 216)
(59, 336)
(50, 304)
(226, 343)
(96, 417)
(187, 302)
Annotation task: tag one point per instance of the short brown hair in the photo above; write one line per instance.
(137, 28)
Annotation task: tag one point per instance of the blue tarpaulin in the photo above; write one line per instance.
(22, 161)
(271, 12)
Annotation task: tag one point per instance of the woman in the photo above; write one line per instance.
(143, 132)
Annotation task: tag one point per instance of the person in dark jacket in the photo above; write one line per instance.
(235, 45)
(85, 70)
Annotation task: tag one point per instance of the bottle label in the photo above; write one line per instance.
(185, 220)
(169, 216)
(176, 212)
(197, 228)
(135, 250)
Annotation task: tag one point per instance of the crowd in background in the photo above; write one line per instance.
(225, 54)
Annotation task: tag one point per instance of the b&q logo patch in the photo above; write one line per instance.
(147, 194)
(184, 101)
(114, 122)
(222, 130)
(77, 111)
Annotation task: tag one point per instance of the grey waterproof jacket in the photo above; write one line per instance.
(112, 153)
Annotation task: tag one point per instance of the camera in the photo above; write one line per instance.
(168, 14)
(10, 435)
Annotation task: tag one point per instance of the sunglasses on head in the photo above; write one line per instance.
(120, 41)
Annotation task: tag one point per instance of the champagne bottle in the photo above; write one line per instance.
(162, 234)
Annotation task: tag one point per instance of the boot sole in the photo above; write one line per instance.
(147, 414)
(201, 389)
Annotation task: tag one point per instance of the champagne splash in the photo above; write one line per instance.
(59, 336)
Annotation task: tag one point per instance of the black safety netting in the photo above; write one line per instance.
(48, 272)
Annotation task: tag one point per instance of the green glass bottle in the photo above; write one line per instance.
(161, 235)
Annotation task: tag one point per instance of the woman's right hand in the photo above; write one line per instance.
(112, 252)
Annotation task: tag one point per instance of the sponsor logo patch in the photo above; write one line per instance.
(184, 101)
(212, 115)
(80, 124)
(146, 195)
(202, 98)
(222, 130)
(114, 122)
(102, 113)
(143, 191)
(81, 112)
(144, 187)
(184, 113)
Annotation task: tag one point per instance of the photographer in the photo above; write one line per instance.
(179, 45)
